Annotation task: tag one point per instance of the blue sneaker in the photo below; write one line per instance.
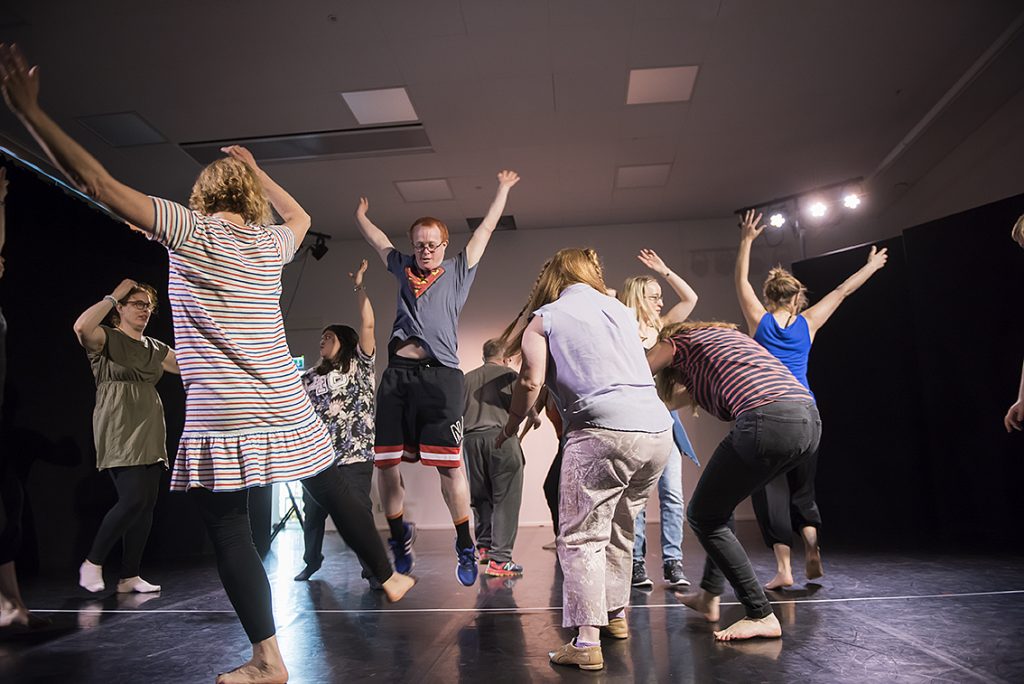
(467, 568)
(402, 550)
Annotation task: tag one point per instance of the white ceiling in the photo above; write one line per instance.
(790, 94)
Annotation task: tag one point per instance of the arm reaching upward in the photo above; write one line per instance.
(753, 310)
(482, 234)
(290, 211)
(366, 321)
(818, 314)
(373, 235)
(20, 86)
(687, 295)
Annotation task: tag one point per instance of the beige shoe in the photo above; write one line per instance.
(551, 545)
(588, 658)
(616, 628)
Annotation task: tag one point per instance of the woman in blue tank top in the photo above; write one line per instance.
(786, 327)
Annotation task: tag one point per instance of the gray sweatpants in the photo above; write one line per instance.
(607, 476)
(495, 490)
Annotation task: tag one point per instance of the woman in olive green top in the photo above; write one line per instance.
(128, 425)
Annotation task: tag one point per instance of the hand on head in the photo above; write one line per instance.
(20, 84)
(357, 277)
(750, 226)
(507, 178)
(241, 154)
(122, 290)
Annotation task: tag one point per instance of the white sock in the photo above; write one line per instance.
(90, 577)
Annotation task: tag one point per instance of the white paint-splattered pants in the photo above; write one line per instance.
(607, 476)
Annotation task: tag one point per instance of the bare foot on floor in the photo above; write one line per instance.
(704, 603)
(780, 581)
(749, 628)
(22, 618)
(254, 672)
(813, 566)
(397, 586)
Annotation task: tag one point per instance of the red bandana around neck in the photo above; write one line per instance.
(421, 284)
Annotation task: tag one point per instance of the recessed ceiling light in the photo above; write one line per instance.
(646, 176)
(664, 84)
(424, 190)
(390, 105)
(122, 129)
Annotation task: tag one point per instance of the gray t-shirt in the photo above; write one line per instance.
(429, 305)
(488, 397)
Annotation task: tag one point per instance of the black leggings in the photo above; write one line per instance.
(131, 517)
(241, 571)
(786, 504)
(551, 484)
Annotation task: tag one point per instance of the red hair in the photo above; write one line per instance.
(430, 222)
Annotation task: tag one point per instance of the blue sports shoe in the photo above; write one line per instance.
(467, 568)
(402, 550)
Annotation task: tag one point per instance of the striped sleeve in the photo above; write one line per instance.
(173, 224)
(284, 240)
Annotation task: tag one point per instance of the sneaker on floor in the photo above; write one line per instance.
(306, 573)
(402, 550)
(506, 569)
(483, 555)
(586, 658)
(551, 545)
(617, 628)
(674, 574)
(466, 568)
(640, 578)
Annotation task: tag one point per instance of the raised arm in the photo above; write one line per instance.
(818, 314)
(20, 86)
(753, 310)
(1015, 416)
(373, 235)
(482, 234)
(531, 377)
(290, 211)
(687, 295)
(367, 343)
(87, 327)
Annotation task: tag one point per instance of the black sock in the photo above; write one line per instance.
(397, 527)
(462, 536)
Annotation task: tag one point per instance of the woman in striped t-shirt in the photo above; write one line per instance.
(718, 368)
(248, 421)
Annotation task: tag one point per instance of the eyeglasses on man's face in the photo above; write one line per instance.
(428, 246)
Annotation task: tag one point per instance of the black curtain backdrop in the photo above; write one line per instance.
(62, 256)
(913, 376)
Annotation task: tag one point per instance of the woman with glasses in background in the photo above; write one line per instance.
(128, 426)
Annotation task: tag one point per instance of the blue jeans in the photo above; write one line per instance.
(670, 499)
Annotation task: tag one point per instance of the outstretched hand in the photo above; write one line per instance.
(877, 257)
(506, 179)
(357, 277)
(242, 154)
(751, 226)
(364, 206)
(20, 84)
(650, 259)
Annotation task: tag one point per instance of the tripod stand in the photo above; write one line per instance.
(293, 509)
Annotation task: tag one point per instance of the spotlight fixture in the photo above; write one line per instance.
(851, 200)
(318, 248)
(817, 209)
(777, 220)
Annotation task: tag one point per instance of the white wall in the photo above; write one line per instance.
(703, 252)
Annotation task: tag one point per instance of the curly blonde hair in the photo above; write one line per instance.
(230, 185)
(780, 288)
(567, 267)
(667, 378)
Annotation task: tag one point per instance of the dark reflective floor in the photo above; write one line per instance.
(904, 617)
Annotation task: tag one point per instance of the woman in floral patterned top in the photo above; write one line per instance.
(342, 392)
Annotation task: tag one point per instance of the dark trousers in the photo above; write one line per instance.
(763, 443)
(786, 504)
(359, 477)
(241, 571)
(551, 484)
(131, 517)
(495, 490)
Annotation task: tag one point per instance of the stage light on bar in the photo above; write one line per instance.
(777, 220)
(817, 209)
(851, 200)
